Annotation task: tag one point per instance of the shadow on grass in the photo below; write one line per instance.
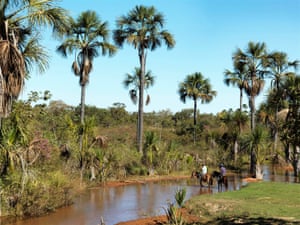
(249, 221)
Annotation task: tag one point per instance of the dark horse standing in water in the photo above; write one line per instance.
(222, 180)
(205, 178)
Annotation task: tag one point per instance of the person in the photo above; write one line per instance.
(204, 171)
(222, 170)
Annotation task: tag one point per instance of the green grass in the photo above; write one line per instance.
(261, 203)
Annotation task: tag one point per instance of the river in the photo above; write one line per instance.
(123, 203)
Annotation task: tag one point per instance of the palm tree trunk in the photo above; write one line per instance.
(142, 58)
(295, 161)
(82, 105)
(252, 154)
(195, 119)
(252, 109)
(276, 130)
(241, 99)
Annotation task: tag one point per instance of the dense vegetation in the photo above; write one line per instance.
(50, 150)
(40, 157)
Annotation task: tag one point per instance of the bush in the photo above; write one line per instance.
(37, 196)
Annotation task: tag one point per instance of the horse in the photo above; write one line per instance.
(205, 178)
(221, 180)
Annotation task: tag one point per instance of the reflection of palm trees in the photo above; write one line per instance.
(143, 29)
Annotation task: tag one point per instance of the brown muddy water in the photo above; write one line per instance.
(123, 203)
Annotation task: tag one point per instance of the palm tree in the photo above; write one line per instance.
(134, 81)
(253, 60)
(143, 29)
(88, 35)
(20, 22)
(279, 70)
(237, 78)
(195, 86)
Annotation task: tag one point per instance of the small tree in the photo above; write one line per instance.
(196, 87)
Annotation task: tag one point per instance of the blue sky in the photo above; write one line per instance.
(207, 32)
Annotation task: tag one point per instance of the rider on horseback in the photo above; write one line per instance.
(222, 170)
(204, 172)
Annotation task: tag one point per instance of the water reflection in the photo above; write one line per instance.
(134, 201)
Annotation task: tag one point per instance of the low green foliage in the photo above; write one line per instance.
(180, 196)
(37, 195)
(173, 213)
(174, 216)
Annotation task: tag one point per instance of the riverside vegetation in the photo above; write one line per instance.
(50, 151)
(40, 161)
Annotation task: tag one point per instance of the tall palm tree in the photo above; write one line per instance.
(237, 78)
(20, 22)
(142, 28)
(88, 35)
(196, 87)
(279, 69)
(253, 60)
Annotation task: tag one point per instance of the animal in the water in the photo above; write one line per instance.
(207, 178)
(221, 180)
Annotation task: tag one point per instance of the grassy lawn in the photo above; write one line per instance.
(256, 203)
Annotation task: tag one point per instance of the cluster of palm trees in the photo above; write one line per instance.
(251, 69)
(141, 28)
(85, 37)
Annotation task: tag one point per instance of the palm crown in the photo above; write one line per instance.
(88, 35)
(142, 28)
